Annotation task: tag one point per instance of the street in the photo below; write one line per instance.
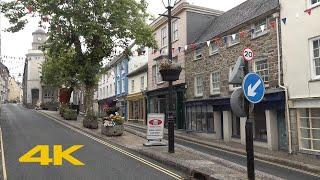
(22, 129)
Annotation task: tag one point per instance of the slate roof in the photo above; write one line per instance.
(240, 14)
(141, 69)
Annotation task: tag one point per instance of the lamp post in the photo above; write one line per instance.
(169, 4)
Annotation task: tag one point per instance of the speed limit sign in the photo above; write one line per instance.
(248, 54)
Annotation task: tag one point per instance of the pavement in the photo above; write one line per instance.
(191, 162)
(22, 129)
(278, 163)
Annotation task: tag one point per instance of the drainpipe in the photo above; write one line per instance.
(284, 88)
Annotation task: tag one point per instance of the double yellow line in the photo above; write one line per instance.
(146, 162)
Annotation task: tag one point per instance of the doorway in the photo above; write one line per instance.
(282, 131)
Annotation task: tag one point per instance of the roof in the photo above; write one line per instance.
(39, 31)
(240, 14)
(141, 69)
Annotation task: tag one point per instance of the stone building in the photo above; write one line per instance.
(252, 24)
(14, 90)
(301, 64)
(192, 21)
(4, 82)
(35, 92)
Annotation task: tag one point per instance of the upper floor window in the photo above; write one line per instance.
(198, 85)
(175, 30)
(214, 48)
(123, 86)
(259, 29)
(132, 85)
(164, 37)
(142, 82)
(315, 54)
(233, 39)
(314, 2)
(118, 87)
(154, 75)
(215, 83)
(198, 54)
(262, 69)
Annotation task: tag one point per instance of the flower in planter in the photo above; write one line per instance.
(166, 65)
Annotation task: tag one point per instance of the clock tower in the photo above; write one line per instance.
(39, 37)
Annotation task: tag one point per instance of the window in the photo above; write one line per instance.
(215, 83)
(260, 125)
(263, 70)
(107, 91)
(198, 85)
(214, 49)
(100, 92)
(110, 89)
(104, 79)
(200, 118)
(233, 39)
(175, 30)
(235, 126)
(309, 129)
(164, 37)
(154, 75)
(118, 70)
(142, 82)
(198, 54)
(159, 77)
(316, 57)
(118, 87)
(123, 86)
(132, 85)
(314, 3)
(103, 92)
(259, 29)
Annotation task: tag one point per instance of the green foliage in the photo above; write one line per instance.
(117, 119)
(82, 33)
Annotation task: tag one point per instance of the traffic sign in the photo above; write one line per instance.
(248, 54)
(253, 88)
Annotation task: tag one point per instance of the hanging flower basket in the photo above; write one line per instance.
(170, 74)
(169, 71)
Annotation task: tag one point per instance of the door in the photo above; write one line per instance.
(35, 96)
(282, 131)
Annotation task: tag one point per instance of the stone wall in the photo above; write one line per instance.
(264, 46)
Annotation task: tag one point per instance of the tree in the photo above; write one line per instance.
(92, 28)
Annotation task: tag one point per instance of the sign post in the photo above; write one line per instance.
(155, 122)
(241, 100)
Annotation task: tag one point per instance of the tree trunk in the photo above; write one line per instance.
(90, 120)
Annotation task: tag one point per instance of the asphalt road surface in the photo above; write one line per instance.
(22, 129)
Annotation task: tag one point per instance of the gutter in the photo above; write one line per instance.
(287, 113)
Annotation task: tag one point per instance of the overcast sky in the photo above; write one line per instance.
(17, 44)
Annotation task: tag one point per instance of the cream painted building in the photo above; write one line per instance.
(301, 71)
(14, 91)
(36, 93)
(137, 86)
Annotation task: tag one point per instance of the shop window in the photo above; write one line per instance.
(260, 125)
(235, 126)
(200, 118)
(310, 129)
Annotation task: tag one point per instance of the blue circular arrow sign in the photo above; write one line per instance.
(253, 88)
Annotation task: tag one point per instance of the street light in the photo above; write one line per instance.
(169, 4)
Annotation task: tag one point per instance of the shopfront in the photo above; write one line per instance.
(158, 102)
(136, 108)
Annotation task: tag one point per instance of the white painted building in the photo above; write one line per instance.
(301, 71)
(137, 86)
(36, 93)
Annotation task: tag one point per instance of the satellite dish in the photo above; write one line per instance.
(236, 76)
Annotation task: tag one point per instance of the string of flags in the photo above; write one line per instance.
(218, 40)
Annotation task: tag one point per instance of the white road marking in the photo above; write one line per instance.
(4, 170)
(146, 162)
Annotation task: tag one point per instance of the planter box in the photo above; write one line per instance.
(116, 130)
(170, 74)
(90, 124)
(70, 115)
